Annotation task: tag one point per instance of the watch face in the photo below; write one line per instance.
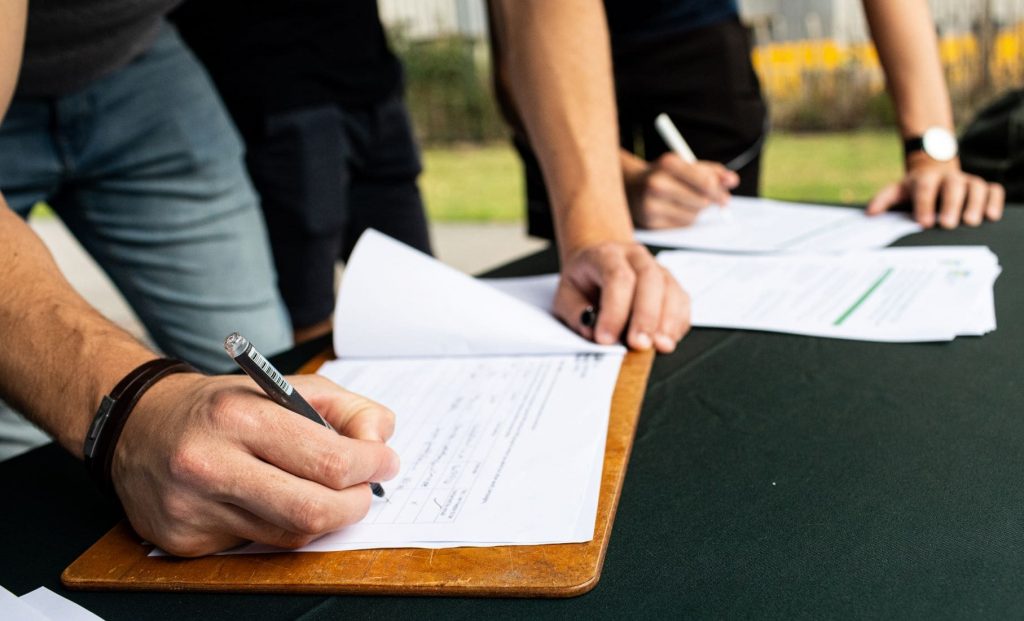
(940, 144)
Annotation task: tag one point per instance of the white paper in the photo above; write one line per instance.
(395, 301)
(501, 411)
(13, 609)
(757, 225)
(41, 605)
(495, 450)
(892, 295)
(55, 607)
(932, 293)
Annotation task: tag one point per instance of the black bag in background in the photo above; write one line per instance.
(992, 145)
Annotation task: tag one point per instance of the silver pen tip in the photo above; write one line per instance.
(235, 344)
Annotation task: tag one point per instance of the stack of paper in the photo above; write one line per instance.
(898, 294)
(501, 411)
(921, 294)
(760, 225)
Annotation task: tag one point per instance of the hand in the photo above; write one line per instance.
(930, 185)
(670, 192)
(207, 463)
(624, 281)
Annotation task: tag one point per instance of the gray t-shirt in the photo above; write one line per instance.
(70, 43)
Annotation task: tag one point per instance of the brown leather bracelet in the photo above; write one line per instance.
(106, 427)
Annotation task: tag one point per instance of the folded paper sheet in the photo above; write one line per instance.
(501, 411)
(398, 302)
(760, 225)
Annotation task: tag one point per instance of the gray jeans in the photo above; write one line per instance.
(146, 170)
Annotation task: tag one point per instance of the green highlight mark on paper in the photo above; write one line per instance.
(860, 300)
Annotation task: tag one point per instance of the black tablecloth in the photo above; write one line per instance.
(772, 475)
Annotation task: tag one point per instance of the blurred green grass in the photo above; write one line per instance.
(485, 184)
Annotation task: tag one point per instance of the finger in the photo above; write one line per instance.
(350, 414)
(225, 526)
(996, 202)
(618, 282)
(728, 178)
(315, 453)
(294, 504)
(926, 190)
(675, 316)
(700, 177)
(954, 190)
(665, 214)
(243, 524)
(647, 302)
(977, 198)
(680, 195)
(890, 196)
(569, 306)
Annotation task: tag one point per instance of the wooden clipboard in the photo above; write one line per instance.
(119, 561)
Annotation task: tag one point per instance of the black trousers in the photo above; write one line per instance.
(325, 174)
(704, 80)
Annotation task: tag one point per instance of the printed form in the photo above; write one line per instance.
(891, 295)
(501, 412)
(913, 294)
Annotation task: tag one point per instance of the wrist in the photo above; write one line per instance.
(590, 220)
(115, 408)
(918, 160)
(937, 143)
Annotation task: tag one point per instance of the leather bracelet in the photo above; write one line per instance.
(106, 427)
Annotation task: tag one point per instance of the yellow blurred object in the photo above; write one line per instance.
(783, 67)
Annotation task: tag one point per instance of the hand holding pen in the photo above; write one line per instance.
(672, 190)
(206, 462)
(275, 385)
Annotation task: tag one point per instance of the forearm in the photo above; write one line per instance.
(59, 356)
(904, 33)
(13, 16)
(558, 60)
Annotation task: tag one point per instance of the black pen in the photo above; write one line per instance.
(275, 385)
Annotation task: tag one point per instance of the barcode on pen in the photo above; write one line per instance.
(270, 371)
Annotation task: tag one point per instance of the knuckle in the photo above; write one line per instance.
(334, 467)
(655, 183)
(223, 410)
(665, 159)
(291, 540)
(649, 270)
(708, 184)
(622, 274)
(177, 509)
(190, 463)
(310, 517)
(928, 182)
(185, 545)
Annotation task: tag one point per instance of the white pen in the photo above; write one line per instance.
(675, 141)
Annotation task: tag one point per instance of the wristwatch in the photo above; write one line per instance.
(938, 143)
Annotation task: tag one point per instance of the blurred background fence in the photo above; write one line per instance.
(832, 138)
(817, 65)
